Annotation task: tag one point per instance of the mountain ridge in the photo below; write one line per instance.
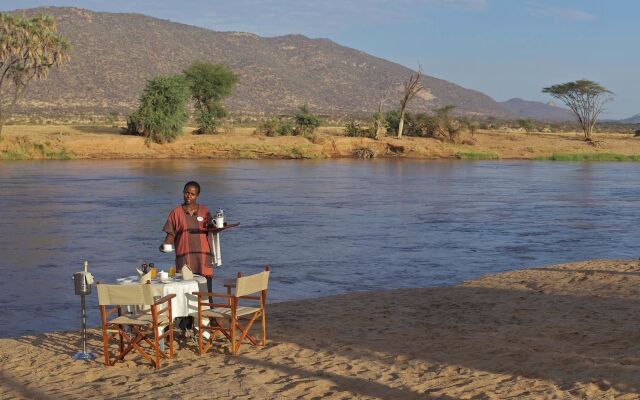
(114, 54)
(537, 110)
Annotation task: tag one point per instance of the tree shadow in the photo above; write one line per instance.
(568, 339)
(14, 387)
(350, 384)
(101, 129)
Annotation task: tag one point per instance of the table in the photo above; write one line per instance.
(185, 303)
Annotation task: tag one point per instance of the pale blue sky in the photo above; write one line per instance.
(504, 48)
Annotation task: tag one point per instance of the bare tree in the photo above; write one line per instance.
(585, 98)
(411, 87)
(378, 117)
(28, 49)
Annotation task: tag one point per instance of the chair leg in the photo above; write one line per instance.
(264, 329)
(121, 341)
(200, 336)
(156, 347)
(232, 326)
(105, 339)
(171, 339)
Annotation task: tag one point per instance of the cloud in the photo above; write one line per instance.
(566, 14)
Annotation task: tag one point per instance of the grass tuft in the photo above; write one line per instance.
(589, 157)
(477, 156)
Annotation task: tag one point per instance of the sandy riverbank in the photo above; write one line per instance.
(106, 142)
(565, 331)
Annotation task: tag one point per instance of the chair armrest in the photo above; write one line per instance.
(210, 294)
(164, 299)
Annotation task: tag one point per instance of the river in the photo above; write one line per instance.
(325, 227)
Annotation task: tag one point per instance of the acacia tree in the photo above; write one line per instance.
(411, 87)
(28, 49)
(585, 98)
(210, 84)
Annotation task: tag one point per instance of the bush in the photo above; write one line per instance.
(392, 119)
(355, 129)
(364, 153)
(163, 109)
(268, 127)
(306, 122)
(285, 128)
(275, 127)
(423, 125)
(637, 133)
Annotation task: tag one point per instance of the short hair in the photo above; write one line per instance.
(191, 183)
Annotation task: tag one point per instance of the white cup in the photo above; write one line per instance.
(163, 275)
(219, 222)
(168, 247)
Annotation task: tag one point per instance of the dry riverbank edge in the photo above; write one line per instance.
(565, 331)
(25, 142)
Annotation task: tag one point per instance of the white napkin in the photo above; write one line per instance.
(88, 277)
(187, 274)
(146, 277)
(215, 250)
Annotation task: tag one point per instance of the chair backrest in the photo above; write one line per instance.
(118, 295)
(251, 284)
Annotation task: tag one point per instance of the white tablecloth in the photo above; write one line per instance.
(184, 303)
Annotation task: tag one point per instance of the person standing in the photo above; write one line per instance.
(186, 231)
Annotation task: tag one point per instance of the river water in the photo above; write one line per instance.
(325, 227)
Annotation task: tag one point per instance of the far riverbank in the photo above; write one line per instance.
(35, 142)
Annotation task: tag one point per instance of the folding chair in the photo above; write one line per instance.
(224, 317)
(145, 324)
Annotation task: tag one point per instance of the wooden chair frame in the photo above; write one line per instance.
(142, 332)
(229, 324)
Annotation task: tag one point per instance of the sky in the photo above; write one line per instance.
(503, 48)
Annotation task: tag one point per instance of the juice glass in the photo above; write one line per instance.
(154, 272)
(172, 271)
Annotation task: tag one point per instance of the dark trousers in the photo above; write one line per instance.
(210, 287)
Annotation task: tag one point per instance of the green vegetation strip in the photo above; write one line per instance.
(477, 156)
(590, 157)
(35, 151)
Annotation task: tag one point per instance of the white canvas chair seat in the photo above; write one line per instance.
(220, 312)
(143, 328)
(225, 317)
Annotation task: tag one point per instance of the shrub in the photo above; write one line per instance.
(637, 133)
(355, 129)
(275, 127)
(392, 119)
(162, 113)
(363, 152)
(477, 156)
(268, 127)
(306, 122)
(285, 128)
(424, 125)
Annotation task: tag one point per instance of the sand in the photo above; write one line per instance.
(107, 142)
(567, 331)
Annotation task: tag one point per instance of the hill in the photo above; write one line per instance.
(114, 54)
(537, 110)
(631, 120)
